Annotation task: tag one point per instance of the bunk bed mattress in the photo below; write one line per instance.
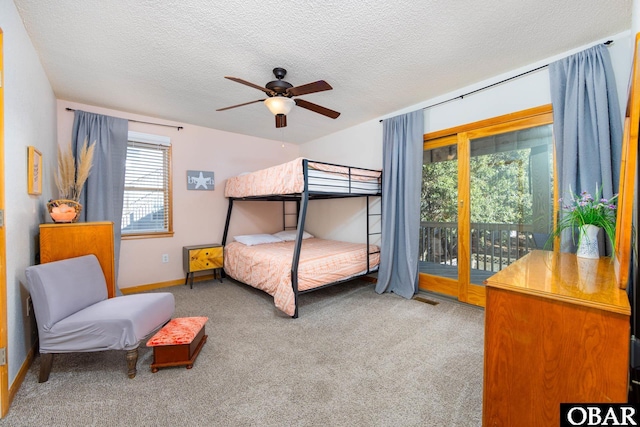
(288, 178)
(268, 266)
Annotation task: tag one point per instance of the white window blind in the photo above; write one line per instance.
(147, 204)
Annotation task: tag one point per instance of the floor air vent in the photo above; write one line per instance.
(428, 301)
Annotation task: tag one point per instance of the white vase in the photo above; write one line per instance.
(588, 245)
(587, 274)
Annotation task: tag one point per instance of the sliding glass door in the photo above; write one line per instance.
(487, 200)
(511, 198)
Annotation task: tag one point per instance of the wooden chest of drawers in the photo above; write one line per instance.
(202, 257)
(556, 331)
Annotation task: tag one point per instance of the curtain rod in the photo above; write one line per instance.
(607, 43)
(147, 123)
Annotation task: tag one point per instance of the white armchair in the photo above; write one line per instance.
(74, 314)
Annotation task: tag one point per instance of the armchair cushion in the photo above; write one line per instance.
(59, 289)
(118, 323)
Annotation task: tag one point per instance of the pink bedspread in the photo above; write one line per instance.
(288, 178)
(268, 267)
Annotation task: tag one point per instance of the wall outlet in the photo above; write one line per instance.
(165, 257)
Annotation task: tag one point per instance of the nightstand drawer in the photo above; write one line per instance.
(202, 257)
(205, 259)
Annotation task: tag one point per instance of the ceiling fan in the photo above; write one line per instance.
(280, 94)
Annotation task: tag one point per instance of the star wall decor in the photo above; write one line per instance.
(200, 180)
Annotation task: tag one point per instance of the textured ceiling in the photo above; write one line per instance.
(168, 58)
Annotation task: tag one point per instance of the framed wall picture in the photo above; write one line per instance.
(200, 180)
(34, 166)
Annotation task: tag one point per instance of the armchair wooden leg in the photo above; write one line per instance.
(132, 360)
(46, 361)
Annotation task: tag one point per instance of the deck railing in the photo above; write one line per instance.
(493, 246)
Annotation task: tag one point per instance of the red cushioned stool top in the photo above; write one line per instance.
(181, 330)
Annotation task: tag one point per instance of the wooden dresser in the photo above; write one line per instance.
(62, 241)
(556, 331)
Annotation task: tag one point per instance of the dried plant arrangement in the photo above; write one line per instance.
(72, 174)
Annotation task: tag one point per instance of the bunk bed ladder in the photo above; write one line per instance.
(286, 225)
(371, 215)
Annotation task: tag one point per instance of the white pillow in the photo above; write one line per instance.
(289, 235)
(257, 239)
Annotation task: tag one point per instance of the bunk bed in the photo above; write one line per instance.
(301, 263)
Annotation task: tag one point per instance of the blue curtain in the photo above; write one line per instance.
(401, 185)
(587, 125)
(103, 193)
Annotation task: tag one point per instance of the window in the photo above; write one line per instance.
(147, 187)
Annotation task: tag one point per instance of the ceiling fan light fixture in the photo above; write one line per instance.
(279, 104)
(279, 94)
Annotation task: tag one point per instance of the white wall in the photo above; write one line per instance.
(30, 119)
(635, 21)
(362, 145)
(357, 146)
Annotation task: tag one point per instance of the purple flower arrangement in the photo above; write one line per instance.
(584, 209)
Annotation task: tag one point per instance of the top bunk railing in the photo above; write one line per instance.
(334, 178)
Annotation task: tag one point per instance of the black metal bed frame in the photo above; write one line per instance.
(302, 200)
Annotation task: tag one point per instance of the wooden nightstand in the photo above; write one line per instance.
(202, 257)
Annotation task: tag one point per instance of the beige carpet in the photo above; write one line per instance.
(353, 358)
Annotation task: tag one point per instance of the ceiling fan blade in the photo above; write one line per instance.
(317, 108)
(255, 86)
(314, 87)
(240, 105)
(281, 120)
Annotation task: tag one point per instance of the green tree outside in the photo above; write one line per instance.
(500, 189)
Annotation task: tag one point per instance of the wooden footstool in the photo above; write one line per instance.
(178, 342)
